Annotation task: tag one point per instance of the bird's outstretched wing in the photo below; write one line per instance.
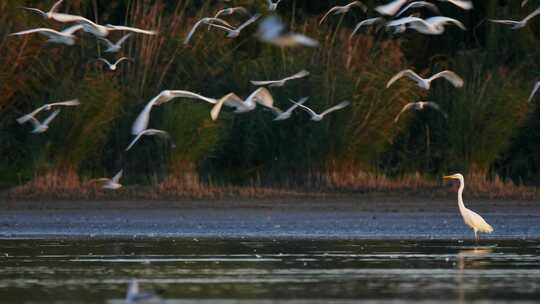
(230, 100)
(248, 22)
(130, 29)
(463, 4)
(367, 22)
(141, 122)
(436, 107)
(123, 39)
(188, 94)
(54, 8)
(390, 9)
(407, 73)
(502, 21)
(122, 59)
(310, 111)
(46, 31)
(452, 77)
(337, 107)
(333, 9)
(35, 10)
(117, 177)
(298, 75)
(48, 120)
(263, 97)
(105, 61)
(535, 89)
(407, 107)
(106, 41)
(418, 4)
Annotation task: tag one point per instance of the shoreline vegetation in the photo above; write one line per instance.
(331, 185)
(490, 135)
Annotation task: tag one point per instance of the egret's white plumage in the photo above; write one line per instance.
(463, 4)
(272, 6)
(430, 26)
(425, 83)
(343, 9)
(148, 132)
(40, 127)
(135, 296)
(518, 24)
(391, 8)
(47, 107)
(260, 96)
(283, 115)
(272, 30)
(280, 83)
(65, 36)
(235, 32)
(141, 123)
(112, 183)
(432, 7)
(209, 21)
(99, 30)
(367, 22)
(534, 90)
(230, 11)
(419, 106)
(113, 66)
(471, 218)
(115, 47)
(46, 15)
(319, 117)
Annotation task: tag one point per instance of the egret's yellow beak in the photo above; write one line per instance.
(449, 177)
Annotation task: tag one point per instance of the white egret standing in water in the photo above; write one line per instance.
(471, 218)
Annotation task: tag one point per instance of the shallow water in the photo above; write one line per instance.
(236, 271)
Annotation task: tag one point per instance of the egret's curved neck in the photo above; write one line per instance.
(460, 194)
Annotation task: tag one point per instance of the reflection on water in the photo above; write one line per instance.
(295, 272)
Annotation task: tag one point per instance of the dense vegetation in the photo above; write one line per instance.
(491, 129)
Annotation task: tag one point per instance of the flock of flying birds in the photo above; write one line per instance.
(270, 30)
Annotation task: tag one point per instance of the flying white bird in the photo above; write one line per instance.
(471, 218)
(429, 26)
(524, 2)
(47, 107)
(231, 10)
(535, 89)
(271, 30)
(283, 115)
(66, 36)
(149, 132)
(112, 183)
(272, 6)
(235, 32)
(343, 9)
(280, 83)
(368, 22)
(46, 15)
(319, 117)
(419, 106)
(115, 47)
(40, 127)
(424, 83)
(141, 123)
(113, 66)
(391, 8)
(99, 30)
(135, 296)
(463, 4)
(518, 24)
(209, 21)
(432, 7)
(260, 96)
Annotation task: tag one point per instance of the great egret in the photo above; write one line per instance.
(47, 107)
(425, 83)
(40, 127)
(65, 36)
(141, 123)
(149, 132)
(283, 115)
(272, 30)
(534, 90)
(280, 83)
(419, 106)
(46, 15)
(429, 26)
(115, 47)
(134, 295)
(209, 21)
(343, 9)
(517, 24)
(319, 117)
(112, 183)
(432, 7)
(235, 32)
(471, 218)
(113, 66)
(260, 96)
